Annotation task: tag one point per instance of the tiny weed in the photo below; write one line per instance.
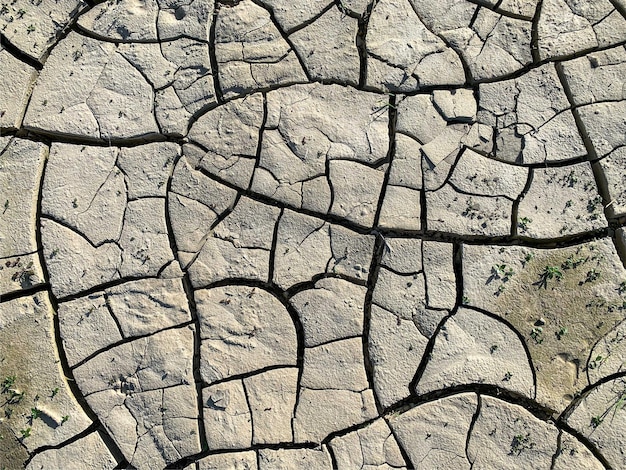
(521, 443)
(592, 275)
(562, 332)
(537, 334)
(524, 222)
(507, 376)
(35, 413)
(25, 432)
(65, 418)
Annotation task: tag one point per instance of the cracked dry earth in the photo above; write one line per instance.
(348, 234)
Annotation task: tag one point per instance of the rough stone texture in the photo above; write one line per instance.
(236, 460)
(598, 76)
(530, 118)
(566, 27)
(227, 417)
(141, 390)
(508, 435)
(294, 459)
(238, 247)
(251, 52)
(599, 417)
(371, 447)
(269, 234)
(472, 347)
(328, 47)
(403, 55)
(492, 45)
(88, 89)
(257, 327)
(322, 412)
(272, 398)
(573, 454)
(332, 310)
(21, 164)
(435, 434)
(35, 27)
(395, 348)
(33, 380)
(560, 202)
(605, 125)
(17, 79)
(560, 319)
(88, 452)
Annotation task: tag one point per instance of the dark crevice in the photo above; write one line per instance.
(592, 154)
(182, 463)
(620, 7)
(479, 404)
(107, 304)
(248, 374)
(516, 203)
(392, 121)
(62, 357)
(333, 458)
(101, 287)
(428, 351)
(374, 269)
(286, 38)
(403, 452)
(259, 147)
(6, 45)
(587, 443)
(90, 429)
(219, 94)
(361, 42)
(519, 336)
(16, 294)
(310, 284)
(559, 449)
(534, 33)
(247, 396)
(128, 339)
(457, 267)
(564, 416)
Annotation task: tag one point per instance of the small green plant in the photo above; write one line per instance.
(465, 300)
(30, 28)
(493, 348)
(537, 334)
(597, 361)
(591, 276)
(524, 222)
(549, 272)
(25, 432)
(520, 443)
(54, 392)
(562, 332)
(507, 376)
(35, 413)
(621, 288)
(596, 421)
(6, 206)
(572, 262)
(8, 382)
(65, 418)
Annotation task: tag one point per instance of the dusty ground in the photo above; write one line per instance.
(348, 234)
